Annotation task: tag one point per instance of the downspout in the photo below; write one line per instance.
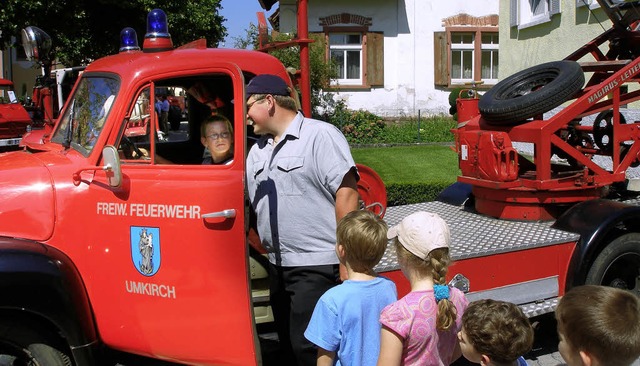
(415, 84)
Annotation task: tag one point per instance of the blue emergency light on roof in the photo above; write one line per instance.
(157, 38)
(157, 24)
(128, 40)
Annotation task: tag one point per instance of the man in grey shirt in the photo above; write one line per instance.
(301, 180)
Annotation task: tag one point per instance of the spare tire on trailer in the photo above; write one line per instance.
(531, 92)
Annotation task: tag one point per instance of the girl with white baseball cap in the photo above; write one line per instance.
(421, 328)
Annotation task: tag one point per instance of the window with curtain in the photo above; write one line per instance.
(471, 54)
(462, 45)
(489, 58)
(345, 50)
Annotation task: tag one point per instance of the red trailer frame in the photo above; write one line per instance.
(508, 185)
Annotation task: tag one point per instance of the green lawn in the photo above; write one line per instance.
(410, 164)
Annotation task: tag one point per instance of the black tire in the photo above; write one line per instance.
(531, 92)
(24, 342)
(618, 265)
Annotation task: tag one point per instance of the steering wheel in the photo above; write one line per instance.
(132, 146)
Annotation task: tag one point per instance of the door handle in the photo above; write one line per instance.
(227, 214)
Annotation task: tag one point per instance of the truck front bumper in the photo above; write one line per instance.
(10, 142)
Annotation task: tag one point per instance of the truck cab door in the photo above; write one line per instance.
(168, 252)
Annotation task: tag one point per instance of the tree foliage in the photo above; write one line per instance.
(321, 73)
(85, 30)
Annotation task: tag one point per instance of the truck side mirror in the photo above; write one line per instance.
(112, 166)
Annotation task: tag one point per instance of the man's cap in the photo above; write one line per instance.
(267, 84)
(421, 232)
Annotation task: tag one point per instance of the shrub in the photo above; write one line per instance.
(363, 127)
(408, 193)
(430, 129)
(359, 126)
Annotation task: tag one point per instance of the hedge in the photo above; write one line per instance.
(407, 193)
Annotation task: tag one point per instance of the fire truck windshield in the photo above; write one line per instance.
(5, 95)
(87, 111)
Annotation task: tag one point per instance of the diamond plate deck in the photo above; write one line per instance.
(539, 308)
(632, 201)
(474, 235)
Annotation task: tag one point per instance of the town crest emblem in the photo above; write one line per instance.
(145, 249)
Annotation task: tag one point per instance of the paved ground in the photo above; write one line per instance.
(545, 347)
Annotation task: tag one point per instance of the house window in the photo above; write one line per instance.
(527, 13)
(489, 58)
(462, 57)
(592, 4)
(345, 50)
(357, 52)
(465, 54)
(358, 56)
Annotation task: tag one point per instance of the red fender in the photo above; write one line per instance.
(372, 191)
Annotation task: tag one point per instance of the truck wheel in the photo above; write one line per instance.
(618, 265)
(23, 343)
(531, 92)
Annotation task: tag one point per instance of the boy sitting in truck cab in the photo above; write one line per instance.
(216, 134)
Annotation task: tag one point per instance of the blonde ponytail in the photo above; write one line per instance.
(436, 265)
(439, 260)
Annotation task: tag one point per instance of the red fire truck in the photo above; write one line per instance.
(106, 254)
(49, 92)
(34, 117)
(14, 119)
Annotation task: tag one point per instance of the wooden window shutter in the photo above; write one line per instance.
(375, 59)
(441, 59)
(513, 13)
(554, 7)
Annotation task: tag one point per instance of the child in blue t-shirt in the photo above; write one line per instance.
(344, 324)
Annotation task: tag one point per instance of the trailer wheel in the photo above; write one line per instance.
(618, 265)
(531, 92)
(23, 343)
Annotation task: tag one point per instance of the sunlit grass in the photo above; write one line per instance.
(410, 164)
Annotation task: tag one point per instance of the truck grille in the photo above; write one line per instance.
(12, 129)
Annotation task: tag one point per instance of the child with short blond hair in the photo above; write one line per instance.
(495, 333)
(421, 328)
(344, 324)
(598, 326)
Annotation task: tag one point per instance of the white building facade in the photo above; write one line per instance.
(535, 32)
(399, 57)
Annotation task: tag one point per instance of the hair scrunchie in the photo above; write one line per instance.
(441, 292)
